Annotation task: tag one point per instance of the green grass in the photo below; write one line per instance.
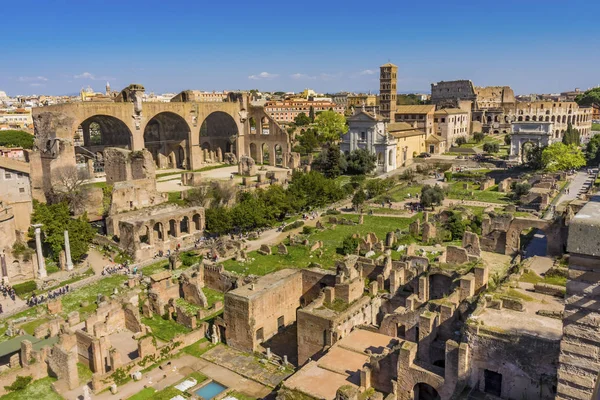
(164, 329)
(175, 198)
(145, 394)
(300, 256)
(531, 277)
(189, 308)
(69, 281)
(31, 326)
(212, 295)
(101, 185)
(401, 192)
(155, 268)
(40, 389)
(337, 305)
(167, 393)
(85, 374)
(240, 396)
(456, 191)
(518, 295)
(596, 127)
(71, 302)
(199, 348)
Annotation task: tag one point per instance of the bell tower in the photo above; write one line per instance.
(388, 79)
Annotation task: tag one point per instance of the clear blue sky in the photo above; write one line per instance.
(57, 47)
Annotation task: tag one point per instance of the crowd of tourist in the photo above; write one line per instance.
(35, 300)
(117, 269)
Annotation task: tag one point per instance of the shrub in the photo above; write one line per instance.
(491, 147)
(521, 189)
(407, 175)
(332, 211)
(307, 230)
(507, 140)
(349, 245)
(448, 176)
(293, 225)
(19, 384)
(189, 258)
(478, 137)
(461, 140)
(24, 288)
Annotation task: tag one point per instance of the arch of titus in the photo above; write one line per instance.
(183, 133)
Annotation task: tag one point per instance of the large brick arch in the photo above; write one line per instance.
(552, 229)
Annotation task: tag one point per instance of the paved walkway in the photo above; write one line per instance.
(575, 187)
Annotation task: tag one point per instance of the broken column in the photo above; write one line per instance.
(68, 251)
(38, 249)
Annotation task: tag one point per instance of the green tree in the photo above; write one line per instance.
(15, 138)
(533, 158)
(218, 220)
(521, 189)
(571, 136)
(460, 140)
(360, 162)
(302, 119)
(55, 219)
(309, 140)
(311, 114)
(507, 140)
(560, 157)
(431, 195)
(330, 162)
(330, 126)
(491, 147)
(359, 199)
(592, 151)
(478, 137)
(456, 225)
(349, 245)
(589, 97)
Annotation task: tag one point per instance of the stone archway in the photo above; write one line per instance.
(552, 230)
(254, 152)
(166, 137)
(219, 130)
(424, 391)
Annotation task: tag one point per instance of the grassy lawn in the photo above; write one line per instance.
(40, 389)
(456, 191)
(518, 295)
(596, 127)
(167, 393)
(401, 192)
(240, 396)
(212, 295)
(106, 286)
(31, 326)
(300, 256)
(175, 198)
(533, 278)
(198, 348)
(387, 211)
(85, 373)
(155, 268)
(164, 329)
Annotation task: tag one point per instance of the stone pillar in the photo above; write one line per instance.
(68, 252)
(38, 249)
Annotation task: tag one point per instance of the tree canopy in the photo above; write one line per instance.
(431, 195)
(571, 136)
(592, 151)
(302, 120)
(562, 157)
(589, 97)
(14, 138)
(360, 162)
(55, 219)
(330, 126)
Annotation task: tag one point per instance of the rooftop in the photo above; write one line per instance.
(415, 109)
(264, 284)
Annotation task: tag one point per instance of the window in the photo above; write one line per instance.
(443, 120)
(363, 136)
(260, 335)
(21, 190)
(493, 382)
(280, 323)
(7, 175)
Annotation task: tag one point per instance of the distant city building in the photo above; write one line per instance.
(452, 123)
(358, 100)
(286, 111)
(19, 118)
(341, 98)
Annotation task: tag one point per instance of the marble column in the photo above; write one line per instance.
(38, 249)
(68, 251)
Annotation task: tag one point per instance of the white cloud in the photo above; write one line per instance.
(263, 75)
(367, 72)
(85, 75)
(93, 77)
(302, 76)
(327, 77)
(37, 84)
(33, 79)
